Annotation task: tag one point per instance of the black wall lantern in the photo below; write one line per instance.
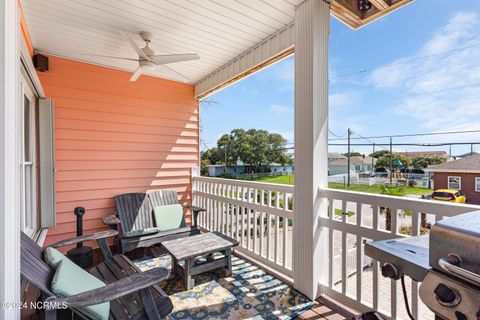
(364, 5)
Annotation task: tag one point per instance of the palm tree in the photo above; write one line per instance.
(397, 192)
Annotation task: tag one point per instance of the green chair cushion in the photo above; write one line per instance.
(53, 257)
(70, 279)
(169, 217)
(142, 232)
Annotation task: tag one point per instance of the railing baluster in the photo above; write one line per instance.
(277, 238)
(217, 220)
(249, 230)
(269, 235)
(330, 245)
(285, 241)
(359, 256)
(243, 226)
(255, 200)
(344, 249)
(285, 230)
(393, 283)
(375, 292)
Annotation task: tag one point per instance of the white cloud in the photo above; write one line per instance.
(279, 110)
(443, 91)
(281, 75)
(343, 99)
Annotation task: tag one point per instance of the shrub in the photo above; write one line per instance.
(407, 230)
(412, 183)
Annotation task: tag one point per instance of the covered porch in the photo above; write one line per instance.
(92, 135)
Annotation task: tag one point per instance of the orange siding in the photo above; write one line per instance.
(113, 136)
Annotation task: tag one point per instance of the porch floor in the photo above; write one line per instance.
(321, 311)
(250, 293)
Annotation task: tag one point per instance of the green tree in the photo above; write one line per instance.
(352, 154)
(379, 154)
(212, 156)
(421, 162)
(204, 167)
(384, 161)
(257, 148)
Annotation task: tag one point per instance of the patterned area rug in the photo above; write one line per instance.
(250, 293)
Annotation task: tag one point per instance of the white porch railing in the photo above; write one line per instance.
(258, 215)
(354, 218)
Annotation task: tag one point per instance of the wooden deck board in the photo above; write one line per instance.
(321, 312)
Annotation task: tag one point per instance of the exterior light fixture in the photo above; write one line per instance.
(364, 5)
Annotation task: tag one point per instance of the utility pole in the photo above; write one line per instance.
(450, 152)
(391, 162)
(471, 149)
(373, 159)
(348, 159)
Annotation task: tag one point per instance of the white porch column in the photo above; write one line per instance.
(312, 23)
(9, 158)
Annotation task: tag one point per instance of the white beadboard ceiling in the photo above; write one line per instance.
(218, 30)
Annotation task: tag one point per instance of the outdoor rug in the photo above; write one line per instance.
(250, 293)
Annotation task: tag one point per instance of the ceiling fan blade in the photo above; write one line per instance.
(132, 43)
(136, 74)
(172, 58)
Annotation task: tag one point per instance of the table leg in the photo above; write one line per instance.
(188, 274)
(174, 266)
(210, 257)
(228, 268)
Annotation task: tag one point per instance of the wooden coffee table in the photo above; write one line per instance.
(205, 244)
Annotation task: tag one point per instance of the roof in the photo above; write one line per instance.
(336, 155)
(466, 154)
(221, 32)
(467, 165)
(356, 160)
(414, 154)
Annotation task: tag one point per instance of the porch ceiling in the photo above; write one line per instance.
(218, 30)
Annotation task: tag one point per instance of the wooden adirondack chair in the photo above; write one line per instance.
(132, 294)
(135, 214)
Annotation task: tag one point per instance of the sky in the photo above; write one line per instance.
(416, 70)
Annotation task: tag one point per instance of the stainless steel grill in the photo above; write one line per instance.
(447, 262)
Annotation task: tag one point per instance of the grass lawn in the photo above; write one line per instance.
(358, 187)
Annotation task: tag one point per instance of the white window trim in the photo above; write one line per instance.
(29, 204)
(459, 182)
(477, 183)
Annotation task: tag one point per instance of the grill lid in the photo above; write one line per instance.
(456, 241)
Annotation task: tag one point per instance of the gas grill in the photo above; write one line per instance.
(447, 262)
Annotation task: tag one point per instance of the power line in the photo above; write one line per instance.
(411, 135)
(423, 93)
(336, 135)
(440, 144)
(347, 74)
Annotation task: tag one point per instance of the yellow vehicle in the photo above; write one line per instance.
(449, 195)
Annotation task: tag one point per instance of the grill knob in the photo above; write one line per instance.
(390, 271)
(445, 295)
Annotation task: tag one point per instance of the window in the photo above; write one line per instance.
(455, 183)
(477, 184)
(27, 165)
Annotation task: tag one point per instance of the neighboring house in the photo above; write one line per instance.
(461, 156)
(240, 169)
(358, 164)
(413, 154)
(463, 174)
(333, 156)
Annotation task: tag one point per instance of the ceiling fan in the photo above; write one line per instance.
(148, 60)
